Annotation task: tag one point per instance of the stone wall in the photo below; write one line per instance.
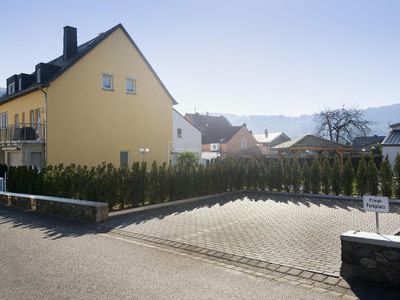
(371, 257)
(71, 208)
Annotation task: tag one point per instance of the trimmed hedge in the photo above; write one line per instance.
(141, 185)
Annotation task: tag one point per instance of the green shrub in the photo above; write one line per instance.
(296, 175)
(386, 176)
(315, 177)
(362, 177)
(348, 178)
(325, 172)
(372, 176)
(306, 174)
(335, 177)
(396, 169)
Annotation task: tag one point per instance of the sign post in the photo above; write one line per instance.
(378, 205)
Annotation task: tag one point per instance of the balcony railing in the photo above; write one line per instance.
(22, 132)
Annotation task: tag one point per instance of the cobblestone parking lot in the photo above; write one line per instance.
(291, 231)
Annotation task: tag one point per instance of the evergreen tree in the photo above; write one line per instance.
(348, 177)
(315, 177)
(335, 177)
(278, 175)
(362, 177)
(372, 176)
(287, 175)
(325, 172)
(386, 175)
(296, 175)
(396, 169)
(306, 174)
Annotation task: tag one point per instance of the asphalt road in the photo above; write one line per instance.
(47, 258)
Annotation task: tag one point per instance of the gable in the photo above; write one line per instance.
(82, 51)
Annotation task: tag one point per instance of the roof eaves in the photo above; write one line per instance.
(33, 88)
(78, 57)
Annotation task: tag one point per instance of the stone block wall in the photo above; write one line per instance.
(371, 257)
(70, 208)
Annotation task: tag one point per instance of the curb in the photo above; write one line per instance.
(172, 203)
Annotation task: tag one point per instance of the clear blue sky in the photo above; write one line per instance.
(242, 57)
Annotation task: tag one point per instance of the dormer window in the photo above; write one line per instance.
(11, 88)
(20, 84)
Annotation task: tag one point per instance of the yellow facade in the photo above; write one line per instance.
(88, 125)
(23, 106)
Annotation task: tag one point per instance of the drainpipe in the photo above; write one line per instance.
(45, 124)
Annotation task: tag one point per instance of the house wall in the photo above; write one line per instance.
(191, 136)
(391, 152)
(234, 144)
(88, 125)
(24, 104)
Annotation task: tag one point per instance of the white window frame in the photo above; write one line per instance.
(179, 133)
(243, 143)
(129, 158)
(3, 120)
(133, 85)
(111, 88)
(11, 88)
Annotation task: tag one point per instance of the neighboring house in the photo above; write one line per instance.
(267, 140)
(186, 136)
(97, 102)
(391, 143)
(366, 143)
(309, 145)
(227, 140)
(204, 122)
(219, 138)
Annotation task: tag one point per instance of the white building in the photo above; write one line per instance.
(391, 143)
(186, 137)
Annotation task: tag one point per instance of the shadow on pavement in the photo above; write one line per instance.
(53, 227)
(131, 218)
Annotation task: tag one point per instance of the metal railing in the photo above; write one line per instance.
(22, 132)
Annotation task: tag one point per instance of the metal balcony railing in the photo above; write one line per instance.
(22, 132)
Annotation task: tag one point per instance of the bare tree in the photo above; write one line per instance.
(341, 125)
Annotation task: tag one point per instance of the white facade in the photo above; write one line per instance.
(186, 137)
(391, 152)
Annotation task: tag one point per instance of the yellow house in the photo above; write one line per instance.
(98, 102)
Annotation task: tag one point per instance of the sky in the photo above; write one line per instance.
(240, 57)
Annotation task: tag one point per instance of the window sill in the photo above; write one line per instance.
(110, 90)
(131, 93)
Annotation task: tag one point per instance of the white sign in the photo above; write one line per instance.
(377, 204)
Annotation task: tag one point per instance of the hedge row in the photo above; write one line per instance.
(140, 185)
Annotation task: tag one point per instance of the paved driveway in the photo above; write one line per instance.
(297, 232)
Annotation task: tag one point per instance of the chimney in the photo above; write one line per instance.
(266, 133)
(70, 42)
(244, 125)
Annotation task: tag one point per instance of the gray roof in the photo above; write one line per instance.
(311, 142)
(219, 134)
(393, 138)
(205, 122)
(82, 51)
(366, 141)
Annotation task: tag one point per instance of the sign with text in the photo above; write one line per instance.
(377, 204)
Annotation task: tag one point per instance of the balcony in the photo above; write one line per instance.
(22, 133)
